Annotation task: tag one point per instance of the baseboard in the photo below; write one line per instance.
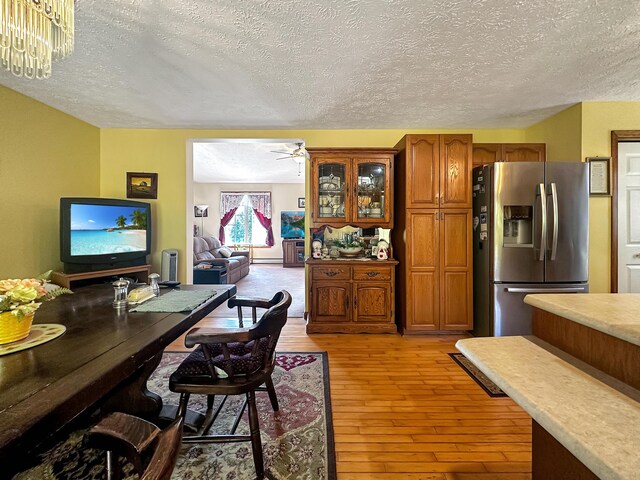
(268, 260)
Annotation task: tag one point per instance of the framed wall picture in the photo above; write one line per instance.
(599, 175)
(201, 210)
(301, 202)
(142, 185)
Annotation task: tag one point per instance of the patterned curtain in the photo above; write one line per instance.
(261, 204)
(229, 203)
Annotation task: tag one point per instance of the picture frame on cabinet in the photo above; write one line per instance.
(599, 176)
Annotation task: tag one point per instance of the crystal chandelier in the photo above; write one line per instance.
(32, 33)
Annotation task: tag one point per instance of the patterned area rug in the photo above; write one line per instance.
(297, 441)
(480, 378)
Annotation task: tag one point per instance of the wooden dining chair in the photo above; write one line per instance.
(151, 451)
(232, 362)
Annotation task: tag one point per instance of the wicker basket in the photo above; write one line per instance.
(13, 329)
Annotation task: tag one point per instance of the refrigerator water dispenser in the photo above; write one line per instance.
(518, 222)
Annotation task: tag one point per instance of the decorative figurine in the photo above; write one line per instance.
(325, 253)
(316, 247)
(383, 250)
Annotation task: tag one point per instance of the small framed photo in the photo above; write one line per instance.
(201, 211)
(301, 202)
(599, 175)
(142, 185)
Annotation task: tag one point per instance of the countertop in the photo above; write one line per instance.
(594, 416)
(617, 314)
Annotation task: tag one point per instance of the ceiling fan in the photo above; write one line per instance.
(298, 155)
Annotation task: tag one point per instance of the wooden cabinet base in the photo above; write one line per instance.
(352, 296)
(314, 327)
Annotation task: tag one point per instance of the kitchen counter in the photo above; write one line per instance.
(594, 416)
(615, 314)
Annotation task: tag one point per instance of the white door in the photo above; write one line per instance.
(629, 217)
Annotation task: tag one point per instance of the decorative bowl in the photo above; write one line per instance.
(349, 251)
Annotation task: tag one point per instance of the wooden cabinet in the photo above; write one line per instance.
(440, 170)
(433, 234)
(351, 187)
(292, 252)
(485, 153)
(347, 296)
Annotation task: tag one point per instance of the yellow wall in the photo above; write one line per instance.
(44, 155)
(598, 120)
(164, 152)
(562, 133)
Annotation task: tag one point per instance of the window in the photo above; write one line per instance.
(244, 227)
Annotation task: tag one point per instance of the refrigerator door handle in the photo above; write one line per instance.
(543, 233)
(547, 290)
(554, 240)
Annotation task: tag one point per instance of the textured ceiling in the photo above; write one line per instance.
(341, 63)
(245, 162)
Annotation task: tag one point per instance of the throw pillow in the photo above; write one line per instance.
(225, 251)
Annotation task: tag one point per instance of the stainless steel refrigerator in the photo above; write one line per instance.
(530, 235)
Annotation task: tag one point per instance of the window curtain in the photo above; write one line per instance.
(229, 203)
(261, 205)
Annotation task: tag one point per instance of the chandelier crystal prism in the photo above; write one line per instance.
(33, 33)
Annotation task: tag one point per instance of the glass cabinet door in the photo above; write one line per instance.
(332, 190)
(372, 191)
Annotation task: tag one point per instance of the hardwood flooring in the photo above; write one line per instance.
(402, 409)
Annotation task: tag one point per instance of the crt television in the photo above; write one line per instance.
(103, 233)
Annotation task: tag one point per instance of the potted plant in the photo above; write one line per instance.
(19, 300)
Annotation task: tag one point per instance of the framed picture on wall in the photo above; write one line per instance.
(201, 211)
(142, 185)
(301, 202)
(599, 173)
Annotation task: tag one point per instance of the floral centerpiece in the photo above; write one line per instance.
(349, 248)
(19, 299)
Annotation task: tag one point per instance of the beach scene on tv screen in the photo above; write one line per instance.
(105, 229)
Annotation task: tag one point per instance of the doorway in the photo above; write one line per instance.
(625, 211)
(256, 167)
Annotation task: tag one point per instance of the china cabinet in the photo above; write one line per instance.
(351, 187)
(432, 238)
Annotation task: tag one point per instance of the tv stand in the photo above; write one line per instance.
(71, 280)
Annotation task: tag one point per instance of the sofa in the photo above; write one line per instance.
(207, 250)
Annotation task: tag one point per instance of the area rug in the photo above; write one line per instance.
(480, 378)
(297, 441)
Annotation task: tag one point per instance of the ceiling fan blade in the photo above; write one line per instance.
(283, 158)
(280, 151)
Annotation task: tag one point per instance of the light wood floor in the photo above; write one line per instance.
(402, 409)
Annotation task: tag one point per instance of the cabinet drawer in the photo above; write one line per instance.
(330, 272)
(374, 273)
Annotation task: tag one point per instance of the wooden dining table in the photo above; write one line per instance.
(104, 359)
